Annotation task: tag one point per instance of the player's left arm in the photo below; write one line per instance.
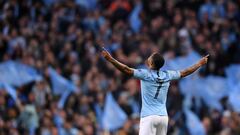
(120, 66)
(174, 75)
(194, 67)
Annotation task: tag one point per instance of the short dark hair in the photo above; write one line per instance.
(158, 61)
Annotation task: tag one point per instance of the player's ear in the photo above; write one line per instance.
(151, 64)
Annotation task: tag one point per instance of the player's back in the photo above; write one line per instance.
(154, 89)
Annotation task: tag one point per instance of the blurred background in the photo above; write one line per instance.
(54, 82)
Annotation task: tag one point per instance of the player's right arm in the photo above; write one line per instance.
(120, 66)
(194, 67)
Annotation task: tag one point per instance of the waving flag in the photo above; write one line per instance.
(10, 90)
(113, 116)
(183, 61)
(17, 74)
(217, 87)
(192, 86)
(134, 19)
(211, 89)
(63, 99)
(233, 75)
(59, 83)
(234, 99)
(211, 102)
(194, 125)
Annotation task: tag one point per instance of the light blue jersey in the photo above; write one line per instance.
(154, 89)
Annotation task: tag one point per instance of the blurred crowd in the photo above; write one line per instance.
(65, 34)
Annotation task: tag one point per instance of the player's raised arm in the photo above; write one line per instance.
(194, 67)
(122, 67)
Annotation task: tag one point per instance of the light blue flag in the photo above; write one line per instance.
(194, 125)
(17, 74)
(10, 90)
(234, 99)
(191, 86)
(98, 111)
(59, 83)
(187, 102)
(211, 89)
(113, 116)
(182, 62)
(89, 4)
(134, 19)
(212, 103)
(233, 75)
(217, 87)
(63, 99)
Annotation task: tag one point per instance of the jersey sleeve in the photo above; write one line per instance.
(141, 74)
(173, 75)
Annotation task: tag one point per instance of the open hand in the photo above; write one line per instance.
(204, 60)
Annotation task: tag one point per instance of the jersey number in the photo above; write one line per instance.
(158, 89)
